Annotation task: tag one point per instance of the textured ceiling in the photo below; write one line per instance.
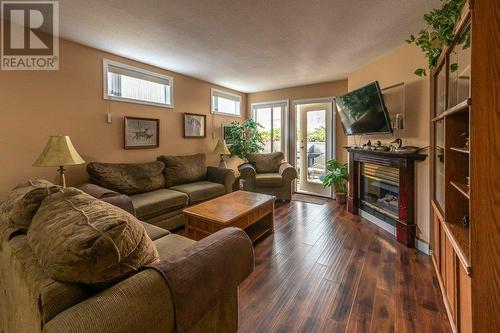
(246, 45)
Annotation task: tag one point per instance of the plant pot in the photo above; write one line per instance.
(341, 197)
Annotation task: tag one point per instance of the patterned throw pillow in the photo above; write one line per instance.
(184, 169)
(17, 211)
(266, 163)
(77, 238)
(128, 178)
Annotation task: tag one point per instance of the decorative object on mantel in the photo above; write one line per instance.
(195, 125)
(221, 149)
(246, 138)
(439, 33)
(58, 152)
(337, 177)
(141, 133)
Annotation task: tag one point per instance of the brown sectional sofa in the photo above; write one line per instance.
(32, 301)
(157, 192)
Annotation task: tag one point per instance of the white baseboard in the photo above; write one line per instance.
(378, 222)
(421, 245)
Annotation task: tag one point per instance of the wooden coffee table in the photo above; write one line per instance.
(252, 212)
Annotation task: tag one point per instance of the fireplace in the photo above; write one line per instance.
(379, 192)
(382, 185)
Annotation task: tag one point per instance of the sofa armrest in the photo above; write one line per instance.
(141, 303)
(288, 172)
(200, 275)
(116, 199)
(222, 176)
(247, 173)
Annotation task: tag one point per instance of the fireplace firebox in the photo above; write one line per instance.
(382, 184)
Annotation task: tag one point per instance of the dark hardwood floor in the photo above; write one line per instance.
(325, 270)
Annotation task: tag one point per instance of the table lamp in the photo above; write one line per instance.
(59, 151)
(222, 150)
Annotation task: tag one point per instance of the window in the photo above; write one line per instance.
(271, 116)
(225, 103)
(131, 84)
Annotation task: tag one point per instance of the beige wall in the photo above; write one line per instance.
(36, 104)
(327, 89)
(393, 68)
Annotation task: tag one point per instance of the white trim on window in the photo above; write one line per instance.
(110, 66)
(284, 104)
(214, 92)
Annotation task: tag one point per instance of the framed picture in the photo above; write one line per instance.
(141, 133)
(195, 125)
(225, 134)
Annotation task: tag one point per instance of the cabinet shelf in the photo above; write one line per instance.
(462, 188)
(463, 150)
(460, 107)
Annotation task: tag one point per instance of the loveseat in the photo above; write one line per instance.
(268, 174)
(157, 192)
(32, 300)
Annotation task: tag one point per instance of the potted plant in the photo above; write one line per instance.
(439, 33)
(245, 138)
(337, 177)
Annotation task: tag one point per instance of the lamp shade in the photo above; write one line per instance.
(58, 151)
(221, 148)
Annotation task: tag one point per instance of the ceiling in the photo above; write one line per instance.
(246, 45)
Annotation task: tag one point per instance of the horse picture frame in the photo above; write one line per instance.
(141, 133)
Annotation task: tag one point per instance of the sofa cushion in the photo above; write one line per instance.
(201, 191)
(184, 169)
(78, 238)
(154, 232)
(171, 244)
(21, 204)
(265, 163)
(157, 202)
(268, 179)
(131, 178)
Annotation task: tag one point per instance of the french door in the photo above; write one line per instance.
(312, 143)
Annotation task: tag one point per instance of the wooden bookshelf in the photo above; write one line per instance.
(462, 188)
(464, 106)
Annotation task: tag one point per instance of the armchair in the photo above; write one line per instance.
(269, 174)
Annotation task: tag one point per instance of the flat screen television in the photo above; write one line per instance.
(363, 111)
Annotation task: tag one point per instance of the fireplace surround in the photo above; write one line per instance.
(383, 185)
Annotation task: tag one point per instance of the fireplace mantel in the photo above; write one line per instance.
(405, 163)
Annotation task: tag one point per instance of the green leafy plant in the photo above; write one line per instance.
(336, 176)
(245, 138)
(317, 135)
(439, 33)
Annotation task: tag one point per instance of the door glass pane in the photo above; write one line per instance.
(459, 73)
(440, 104)
(316, 145)
(439, 180)
(263, 117)
(277, 129)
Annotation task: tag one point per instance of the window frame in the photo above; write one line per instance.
(225, 92)
(284, 104)
(105, 65)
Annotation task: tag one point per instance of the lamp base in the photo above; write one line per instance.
(62, 179)
(222, 163)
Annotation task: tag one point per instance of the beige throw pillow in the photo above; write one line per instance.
(77, 238)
